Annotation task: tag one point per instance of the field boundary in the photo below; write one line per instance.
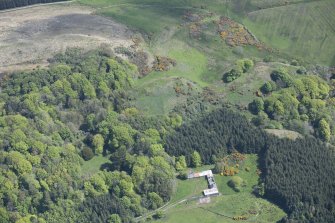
(280, 6)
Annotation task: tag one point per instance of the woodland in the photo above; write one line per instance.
(109, 135)
(54, 119)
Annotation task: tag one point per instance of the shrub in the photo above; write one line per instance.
(301, 70)
(245, 65)
(294, 63)
(268, 87)
(241, 66)
(268, 58)
(248, 64)
(238, 51)
(232, 75)
(256, 106)
(196, 159)
(236, 183)
(182, 175)
(87, 153)
(282, 78)
(158, 215)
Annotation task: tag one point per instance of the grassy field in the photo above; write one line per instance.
(221, 209)
(143, 18)
(298, 28)
(225, 206)
(305, 30)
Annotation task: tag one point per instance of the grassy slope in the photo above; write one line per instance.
(305, 30)
(302, 28)
(230, 204)
(204, 60)
(220, 207)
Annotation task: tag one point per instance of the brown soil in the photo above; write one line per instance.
(30, 36)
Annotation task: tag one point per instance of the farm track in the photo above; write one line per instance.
(166, 207)
(149, 6)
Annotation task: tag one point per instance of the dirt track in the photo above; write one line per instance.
(30, 36)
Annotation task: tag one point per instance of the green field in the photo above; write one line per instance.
(220, 207)
(305, 30)
(223, 207)
(300, 28)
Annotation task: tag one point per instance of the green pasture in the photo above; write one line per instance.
(221, 208)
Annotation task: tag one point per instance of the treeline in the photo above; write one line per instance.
(8, 4)
(297, 175)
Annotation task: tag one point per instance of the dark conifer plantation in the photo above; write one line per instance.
(216, 134)
(298, 175)
(7, 4)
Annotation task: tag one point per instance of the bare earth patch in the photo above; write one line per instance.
(28, 37)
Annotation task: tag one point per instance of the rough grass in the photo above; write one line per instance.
(143, 18)
(250, 177)
(155, 92)
(157, 97)
(299, 28)
(147, 16)
(224, 207)
(191, 63)
(242, 90)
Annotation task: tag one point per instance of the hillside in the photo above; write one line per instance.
(305, 29)
(107, 106)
